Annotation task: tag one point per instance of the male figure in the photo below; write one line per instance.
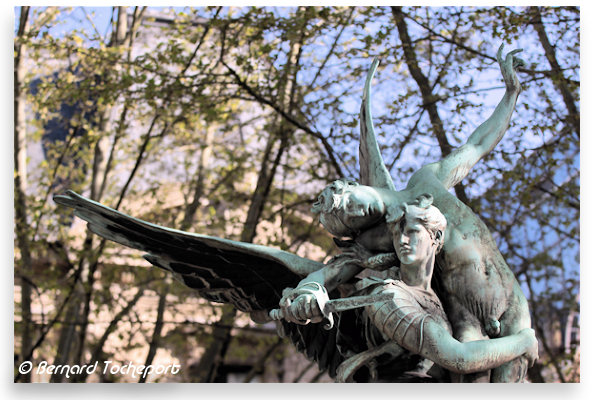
(482, 297)
(414, 318)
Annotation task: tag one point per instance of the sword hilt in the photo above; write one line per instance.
(319, 293)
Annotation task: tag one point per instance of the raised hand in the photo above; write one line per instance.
(509, 67)
(357, 254)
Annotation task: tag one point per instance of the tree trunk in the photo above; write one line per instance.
(154, 343)
(557, 76)
(97, 352)
(100, 163)
(186, 224)
(100, 168)
(67, 337)
(200, 184)
(20, 182)
(215, 353)
(429, 99)
(259, 366)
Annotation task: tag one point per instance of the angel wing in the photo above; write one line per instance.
(251, 277)
(373, 171)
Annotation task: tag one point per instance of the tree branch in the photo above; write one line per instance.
(259, 366)
(558, 78)
(429, 99)
(156, 334)
(97, 352)
(262, 100)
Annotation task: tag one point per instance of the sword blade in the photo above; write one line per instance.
(350, 303)
(345, 304)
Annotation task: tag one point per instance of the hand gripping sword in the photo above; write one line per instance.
(339, 305)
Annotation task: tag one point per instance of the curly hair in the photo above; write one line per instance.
(329, 202)
(330, 199)
(423, 210)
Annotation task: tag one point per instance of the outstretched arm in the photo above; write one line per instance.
(453, 168)
(300, 304)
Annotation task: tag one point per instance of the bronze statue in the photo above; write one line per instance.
(481, 295)
(478, 292)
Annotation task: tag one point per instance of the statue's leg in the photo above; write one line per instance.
(514, 319)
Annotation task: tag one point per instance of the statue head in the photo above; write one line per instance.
(345, 208)
(418, 229)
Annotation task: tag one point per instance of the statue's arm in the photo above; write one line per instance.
(338, 271)
(464, 358)
(455, 167)
(300, 304)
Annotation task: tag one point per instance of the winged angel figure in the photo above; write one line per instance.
(379, 310)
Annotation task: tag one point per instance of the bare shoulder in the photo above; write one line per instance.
(427, 179)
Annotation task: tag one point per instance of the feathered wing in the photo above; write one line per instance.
(373, 171)
(316, 344)
(251, 277)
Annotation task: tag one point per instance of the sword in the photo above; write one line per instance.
(339, 305)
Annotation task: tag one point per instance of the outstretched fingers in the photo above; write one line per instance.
(513, 52)
(509, 65)
(499, 53)
(510, 55)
